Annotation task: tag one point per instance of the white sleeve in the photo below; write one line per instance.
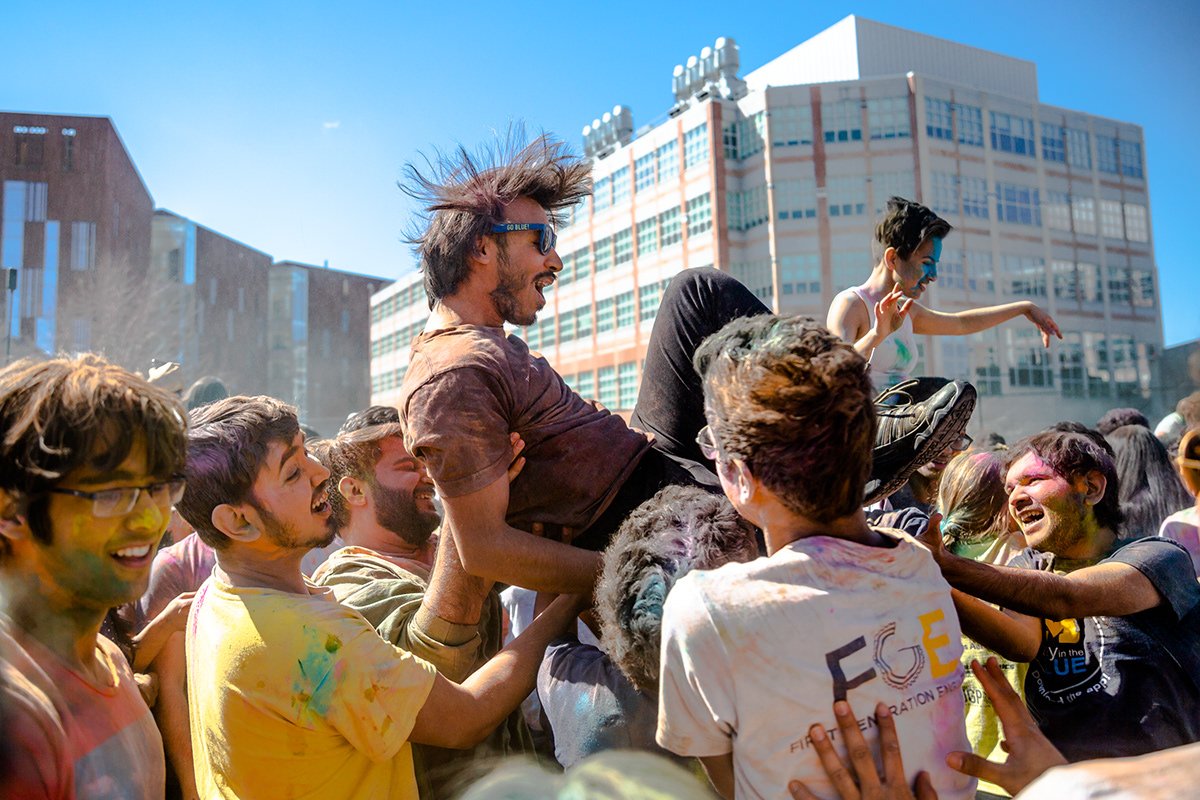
(696, 714)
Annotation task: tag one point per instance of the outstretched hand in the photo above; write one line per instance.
(1030, 753)
(860, 779)
(891, 311)
(1044, 322)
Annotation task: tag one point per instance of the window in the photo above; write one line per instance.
(607, 378)
(796, 199)
(1057, 210)
(668, 161)
(1030, 365)
(671, 227)
(647, 236)
(1136, 227)
(643, 170)
(974, 197)
(891, 184)
(566, 327)
(533, 336)
(842, 121)
(1106, 154)
(1090, 286)
(585, 383)
(567, 273)
(1083, 214)
(578, 213)
(747, 209)
(83, 247)
(1141, 287)
(627, 385)
(791, 126)
(625, 309)
(583, 263)
(985, 358)
(970, 124)
(939, 119)
(620, 184)
(583, 322)
(602, 193)
(1079, 148)
(699, 214)
(649, 298)
(1053, 146)
(1131, 158)
(1071, 369)
(800, 274)
(695, 146)
(1019, 204)
(978, 265)
(945, 193)
(755, 276)
(1066, 280)
(751, 134)
(546, 332)
(29, 145)
(950, 270)
(604, 254)
(1026, 276)
(1111, 222)
(847, 195)
(35, 201)
(888, 118)
(1118, 286)
(604, 315)
(623, 246)
(1012, 134)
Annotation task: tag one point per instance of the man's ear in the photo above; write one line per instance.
(12, 522)
(234, 522)
(1094, 486)
(353, 490)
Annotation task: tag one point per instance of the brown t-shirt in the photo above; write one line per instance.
(469, 386)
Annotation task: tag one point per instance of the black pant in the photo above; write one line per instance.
(670, 404)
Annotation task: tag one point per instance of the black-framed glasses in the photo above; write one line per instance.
(547, 238)
(116, 502)
(710, 448)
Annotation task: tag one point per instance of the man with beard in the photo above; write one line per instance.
(292, 694)
(382, 503)
(1111, 629)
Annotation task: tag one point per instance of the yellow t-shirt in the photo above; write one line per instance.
(297, 696)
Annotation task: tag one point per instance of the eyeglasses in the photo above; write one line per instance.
(547, 238)
(707, 440)
(116, 502)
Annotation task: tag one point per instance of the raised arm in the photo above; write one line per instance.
(462, 715)
(927, 321)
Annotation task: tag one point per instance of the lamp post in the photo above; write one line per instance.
(11, 281)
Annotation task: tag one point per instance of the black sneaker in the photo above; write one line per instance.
(917, 419)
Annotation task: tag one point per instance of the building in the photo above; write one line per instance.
(214, 293)
(778, 178)
(319, 335)
(76, 228)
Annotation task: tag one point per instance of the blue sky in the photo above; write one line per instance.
(286, 125)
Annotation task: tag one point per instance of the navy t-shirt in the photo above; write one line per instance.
(1122, 686)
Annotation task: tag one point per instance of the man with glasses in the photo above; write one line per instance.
(90, 466)
(838, 610)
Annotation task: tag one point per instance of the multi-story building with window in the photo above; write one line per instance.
(779, 178)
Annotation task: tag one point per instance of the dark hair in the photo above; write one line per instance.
(1070, 426)
(1116, 417)
(464, 195)
(994, 441)
(793, 402)
(226, 447)
(1073, 455)
(208, 389)
(354, 454)
(679, 529)
(372, 415)
(68, 413)
(907, 225)
(1151, 489)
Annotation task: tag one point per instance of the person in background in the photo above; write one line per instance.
(1151, 489)
(1184, 526)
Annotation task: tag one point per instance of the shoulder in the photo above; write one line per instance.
(1168, 567)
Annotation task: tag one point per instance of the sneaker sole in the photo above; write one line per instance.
(941, 435)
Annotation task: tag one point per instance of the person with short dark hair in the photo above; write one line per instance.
(291, 693)
(606, 698)
(1118, 417)
(882, 317)
(837, 609)
(372, 415)
(90, 464)
(1111, 629)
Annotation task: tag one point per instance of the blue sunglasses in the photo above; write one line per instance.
(546, 235)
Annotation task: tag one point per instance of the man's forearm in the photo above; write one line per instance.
(522, 559)
(1028, 591)
(454, 594)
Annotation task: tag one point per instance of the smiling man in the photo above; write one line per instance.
(292, 694)
(882, 319)
(1111, 629)
(90, 464)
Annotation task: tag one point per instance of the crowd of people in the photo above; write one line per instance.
(790, 574)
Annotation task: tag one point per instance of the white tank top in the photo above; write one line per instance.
(894, 359)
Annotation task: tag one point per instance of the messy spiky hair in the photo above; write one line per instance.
(463, 195)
